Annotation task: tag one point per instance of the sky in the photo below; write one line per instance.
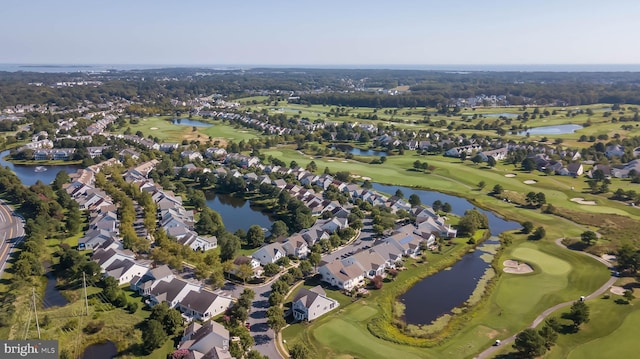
(319, 32)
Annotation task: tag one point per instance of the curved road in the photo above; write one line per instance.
(491, 350)
(11, 233)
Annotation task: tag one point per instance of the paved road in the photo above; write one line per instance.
(11, 233)
(263, 336)
(491, 350)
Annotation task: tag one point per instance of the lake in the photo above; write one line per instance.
(192, 123)
(359, 152)
(236, 212)
(552, 130)
(438, 294)
(106, 350)
(28, 175)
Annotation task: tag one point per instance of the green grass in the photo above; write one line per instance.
(514, 302)
(166, 131)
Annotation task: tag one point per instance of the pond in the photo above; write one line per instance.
(552, 130)
(359, 152)
(236, 212)
(30, 174)
(106, 350)
(499, 114)
(188, 122)
(440, 293)
(52, 296)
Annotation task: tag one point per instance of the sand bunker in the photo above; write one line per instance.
(153, 128)
(510, 175)
(344, 161)
(515, 267)
(530, 182)
(579, 200)
(617, 290)
(366, 178)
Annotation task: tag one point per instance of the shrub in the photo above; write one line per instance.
(93, 327)
(132, 307)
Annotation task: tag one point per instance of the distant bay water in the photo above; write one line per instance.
(69, 68)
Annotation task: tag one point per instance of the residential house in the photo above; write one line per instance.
(204, 340)
(171, 292)
(204, 305)
(343, 276)
(269, 253)
(296, 246)
(309, 304)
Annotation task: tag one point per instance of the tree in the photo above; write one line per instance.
(210, 222)
(549, 335)
(529, 343)
(472, 221)
(229, 246)
(628, 258)
(299, 351)
(579, 313)
(527, 227)
(279, 229)
(153, 336)
(399, 193)
(446, 207)
(539, 233)
(477, 159)
(414, 200)
(271, 269)
(255, 236)
(275, 318)
(589, 237)
(481, 185)
(528, 164)
(306, 267)
(244, 272)
(497, 189)
(491, 161)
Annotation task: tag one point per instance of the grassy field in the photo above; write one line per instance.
(411, 118)
(610, 332)
(166, 131)
(516, 300)
(451, 176)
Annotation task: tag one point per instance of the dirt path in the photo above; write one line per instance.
(491, 350)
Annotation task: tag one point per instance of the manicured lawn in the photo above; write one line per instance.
(166, 131)
(515, 301)
(611, 342)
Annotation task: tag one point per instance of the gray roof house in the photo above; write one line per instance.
(309, 304)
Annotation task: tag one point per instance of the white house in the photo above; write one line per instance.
(204, 305)
(309, 304)
(342, 276)
(269, 253)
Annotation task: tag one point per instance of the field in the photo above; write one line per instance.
(516, 300)
(411, 118)
(166, 131)
(451, 176)
(610, 332)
